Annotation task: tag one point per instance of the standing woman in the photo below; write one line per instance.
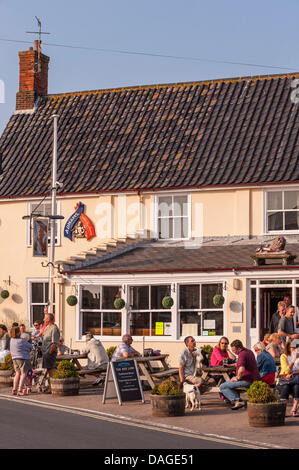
(288, 379)
(221, 353)
(20, 353)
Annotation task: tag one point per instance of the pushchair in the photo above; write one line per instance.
(36, 379)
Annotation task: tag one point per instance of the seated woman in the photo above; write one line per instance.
(221, 353)
(266, 339)
(274, 346)
(265, 363)
(288, 379)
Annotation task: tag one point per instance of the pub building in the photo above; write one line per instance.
(167, 191)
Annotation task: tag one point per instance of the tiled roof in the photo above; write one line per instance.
(160, 258)
(214, 133)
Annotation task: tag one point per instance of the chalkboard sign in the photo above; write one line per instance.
(123, 382)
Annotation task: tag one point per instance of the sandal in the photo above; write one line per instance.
(295, 414)
(14, 392)
(20, 393)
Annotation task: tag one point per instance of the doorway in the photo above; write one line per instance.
(269, 298)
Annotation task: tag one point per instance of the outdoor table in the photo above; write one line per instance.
(146, 368)
(74, 358)
(224, 371)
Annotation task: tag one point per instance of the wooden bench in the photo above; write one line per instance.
(99, 370)
(259, 259)
(165, 374)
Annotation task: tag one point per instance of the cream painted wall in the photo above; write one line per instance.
(231, 212)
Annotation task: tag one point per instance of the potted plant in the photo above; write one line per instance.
(264, 407)
(168, 399)
(167, 302)
(6, 372)
(4, 294)
(119, 303)
(218, 300)
(65, 380)
(72, 300)
(110, 352)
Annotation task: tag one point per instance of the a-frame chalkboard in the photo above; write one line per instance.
(123, 382)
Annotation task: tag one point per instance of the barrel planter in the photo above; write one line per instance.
(6, 378)
(266, 414)
(168, 405)
(65, 387)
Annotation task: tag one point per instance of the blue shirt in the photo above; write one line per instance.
(265, 363)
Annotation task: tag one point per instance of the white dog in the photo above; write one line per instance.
(192, 396)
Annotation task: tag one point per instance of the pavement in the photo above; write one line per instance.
(214, 422)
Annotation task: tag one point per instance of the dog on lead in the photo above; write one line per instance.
(192, 396)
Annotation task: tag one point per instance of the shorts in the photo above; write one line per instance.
(49, 360)
(22, 365)
(191, 379)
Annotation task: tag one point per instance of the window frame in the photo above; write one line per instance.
(266, 211)
(97, 310)
(188, 216)
(58, 222)
(29, 297)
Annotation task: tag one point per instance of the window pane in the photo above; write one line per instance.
(111, 324)
(91, 297)
(253, 308)
(207, 293)
(165, 228)
(291, 200)
(213, 323)
(140, 298)
(291, 220)
(165, 206)
(109, 295)
(190, 324)
(91, 322)
(161, 323)
(180, 228)
(157, 294)
(275, 221)
(38, 292)
(274, 200)
(139, 324)
(180, 205)
(37, 313)
(189, 296)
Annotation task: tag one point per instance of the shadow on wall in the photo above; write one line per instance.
(17, 298)
(10, 315)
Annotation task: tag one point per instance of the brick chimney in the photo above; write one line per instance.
(33, 78)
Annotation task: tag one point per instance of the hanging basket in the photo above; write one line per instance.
(167, 302)
(218, 300)
(72, 300)
(119, 304)
(4, 294)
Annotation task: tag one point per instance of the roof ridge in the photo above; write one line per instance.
(174, 84)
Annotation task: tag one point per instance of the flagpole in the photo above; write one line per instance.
(53, 213)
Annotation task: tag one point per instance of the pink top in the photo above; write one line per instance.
(217, 357)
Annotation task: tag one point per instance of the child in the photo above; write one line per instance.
(20, 353)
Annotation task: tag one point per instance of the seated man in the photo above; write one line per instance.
(246, 373)
(62, 348)
(124, 349)
(189, 360)
(97, 355)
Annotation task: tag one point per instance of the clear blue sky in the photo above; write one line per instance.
(257, 32)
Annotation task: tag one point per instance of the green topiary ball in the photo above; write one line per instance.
(218, 300)
(72, 300)
(119, 303)
(167, 302)
(4, 294)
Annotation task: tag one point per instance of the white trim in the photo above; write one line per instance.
(29, 282)
(188, 216)
(265, 211)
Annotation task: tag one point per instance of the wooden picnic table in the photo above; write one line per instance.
(74, 358)
(224, 371)
(147, 366)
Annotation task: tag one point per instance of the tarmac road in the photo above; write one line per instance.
(33, 426)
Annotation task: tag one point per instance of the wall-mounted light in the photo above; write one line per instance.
(237, 284)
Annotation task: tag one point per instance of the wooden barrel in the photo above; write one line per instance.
(6, 378)
(266, 414)
(168, 405)
(64, 387)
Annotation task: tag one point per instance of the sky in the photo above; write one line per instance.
(212, 38)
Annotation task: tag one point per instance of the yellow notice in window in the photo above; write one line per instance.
(159, 327)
